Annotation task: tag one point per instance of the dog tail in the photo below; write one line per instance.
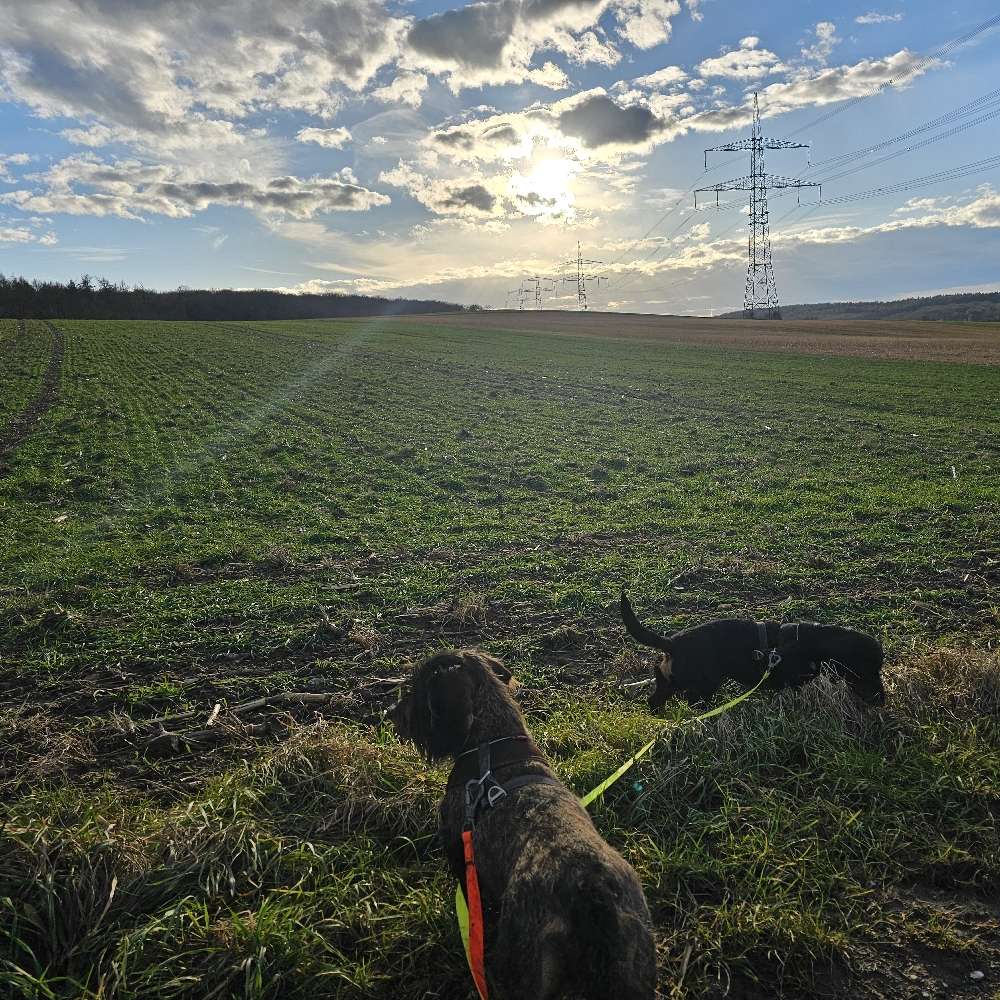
(638, 631)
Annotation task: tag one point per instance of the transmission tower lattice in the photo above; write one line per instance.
(581, 275)
(760, 298)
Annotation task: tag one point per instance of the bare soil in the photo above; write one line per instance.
(970, 343)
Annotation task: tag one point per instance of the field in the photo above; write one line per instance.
(222, 542)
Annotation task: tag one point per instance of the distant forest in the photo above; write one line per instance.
(91, 298)
(974, 307)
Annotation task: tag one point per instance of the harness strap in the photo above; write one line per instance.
(484, 791)
(531, 779)
(765, 652)
(497, 742)
(477, 963)
(760, 653)
(787, 629)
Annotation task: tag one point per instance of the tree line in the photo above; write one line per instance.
(91, 298)
(967, 307)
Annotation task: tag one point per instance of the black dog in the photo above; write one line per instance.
(564, 913)
(695, 662)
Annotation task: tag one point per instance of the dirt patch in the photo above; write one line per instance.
(19, 427)
(932, 943)
(970, 343)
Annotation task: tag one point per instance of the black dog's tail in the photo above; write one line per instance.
(638, 631)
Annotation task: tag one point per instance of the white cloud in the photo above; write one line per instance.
(463, 196)
(589, 127)
(873, 17)
(9, 234)
(493, 42)
(406, 88)
(587, 48)
(694, 9)
(978, 211)
(11, 160)
(159, 72)
(844, 82)
(748, 62)
(826, 39)
(329, 138)
(86, 185)
(646, 23)
(666, 77)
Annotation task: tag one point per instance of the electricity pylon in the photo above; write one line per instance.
(582, 276)
(760, 297)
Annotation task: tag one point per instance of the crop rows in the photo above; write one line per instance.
(206, 514)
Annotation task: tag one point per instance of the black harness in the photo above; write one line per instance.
(484, 791)
(765, 652)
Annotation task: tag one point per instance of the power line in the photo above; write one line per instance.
(917, 67)
(833, 162)
(939, 177)
(843, 159)
(760, 295)
(718, 237)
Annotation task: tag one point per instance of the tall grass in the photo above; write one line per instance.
(768, 840)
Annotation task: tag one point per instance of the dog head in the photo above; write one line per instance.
(444, 696)
(664, 680)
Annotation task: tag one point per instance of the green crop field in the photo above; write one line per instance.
(222, 542)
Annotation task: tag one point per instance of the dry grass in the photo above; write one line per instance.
(963, 684)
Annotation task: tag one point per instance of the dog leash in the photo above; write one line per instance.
(471, 930)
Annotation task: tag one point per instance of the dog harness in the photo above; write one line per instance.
(485, 792)
(765, 651)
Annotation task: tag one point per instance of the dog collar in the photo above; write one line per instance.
(474, 764)
(474, 770)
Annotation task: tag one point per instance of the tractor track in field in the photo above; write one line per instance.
(18, 428)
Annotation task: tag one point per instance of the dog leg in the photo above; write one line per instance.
(532, 967)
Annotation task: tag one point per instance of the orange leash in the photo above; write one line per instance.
(476, 958)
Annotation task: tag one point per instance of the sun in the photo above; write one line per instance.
(547, 188)
(552, 178)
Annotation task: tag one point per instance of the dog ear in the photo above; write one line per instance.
(500, 671)
(449, 706)
(665, 665)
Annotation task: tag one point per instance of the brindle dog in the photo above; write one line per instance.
(695, 662)
(564, 913)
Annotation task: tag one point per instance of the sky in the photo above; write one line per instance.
(452, 152)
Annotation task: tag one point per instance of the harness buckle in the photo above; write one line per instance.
(773, 659)
(494, 794)
(486, 787)
(473, 796)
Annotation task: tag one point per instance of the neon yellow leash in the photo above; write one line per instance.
(462, 910)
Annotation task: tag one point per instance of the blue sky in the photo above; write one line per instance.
(450, 152)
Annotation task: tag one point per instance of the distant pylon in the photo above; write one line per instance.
(581, 276)
(533, 290)
(760, 297)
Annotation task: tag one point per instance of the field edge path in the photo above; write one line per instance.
(18, 427)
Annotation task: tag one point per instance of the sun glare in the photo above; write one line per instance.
(547, 188)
